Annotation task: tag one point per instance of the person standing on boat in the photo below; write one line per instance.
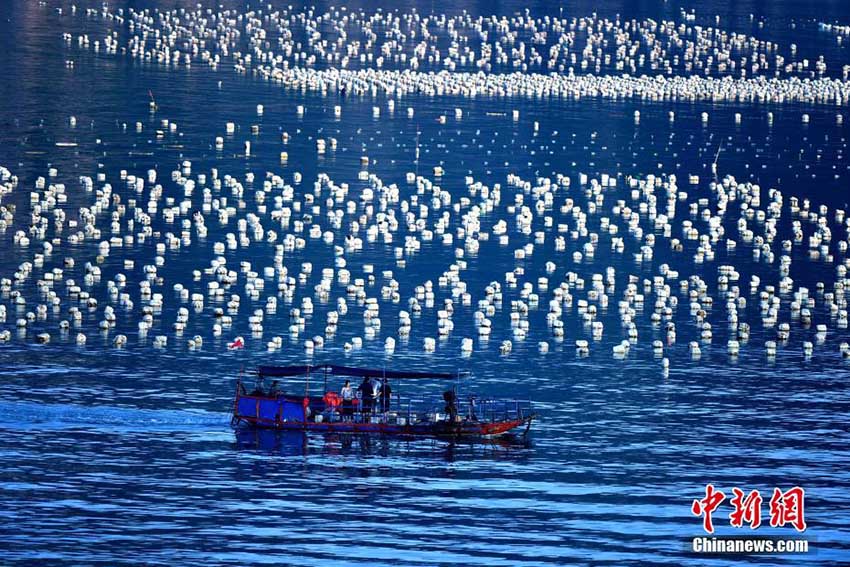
(450, 398)
(386, 393)
(347, 395)
(367, 396)
(376, 393)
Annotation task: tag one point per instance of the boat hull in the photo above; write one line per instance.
(441, 429)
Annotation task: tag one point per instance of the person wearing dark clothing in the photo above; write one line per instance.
(367, 395)
(451, 404)
(386, 395)
(259, 388)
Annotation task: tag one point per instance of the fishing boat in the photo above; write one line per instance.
(292, 401)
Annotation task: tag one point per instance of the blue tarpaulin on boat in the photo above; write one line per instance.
(247, 407)
(291, 411)
(282, 371)
(268, 410)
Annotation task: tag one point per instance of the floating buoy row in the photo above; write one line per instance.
(677, 63)
(581, 224)
(601, 285)
(519, 311)
(485, 43)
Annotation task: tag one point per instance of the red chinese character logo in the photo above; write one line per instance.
(788, 508)
(707, 505)
(746, 509)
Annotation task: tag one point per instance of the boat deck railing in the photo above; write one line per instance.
(417, 410)
(500, 409)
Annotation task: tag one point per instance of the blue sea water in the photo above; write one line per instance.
(125, 456)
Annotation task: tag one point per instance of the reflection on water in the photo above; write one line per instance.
(298, 443)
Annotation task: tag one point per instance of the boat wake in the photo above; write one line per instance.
(29, 416)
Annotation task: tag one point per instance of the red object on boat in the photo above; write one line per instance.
(332, 400)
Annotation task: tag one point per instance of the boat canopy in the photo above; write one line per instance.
(282, 371)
